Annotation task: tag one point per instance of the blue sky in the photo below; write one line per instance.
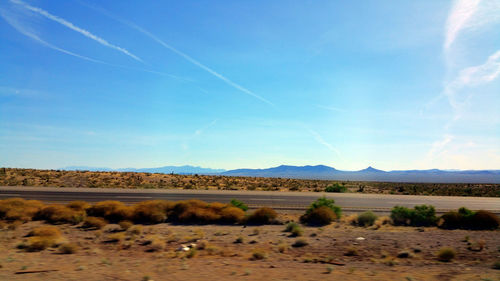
(233, 84)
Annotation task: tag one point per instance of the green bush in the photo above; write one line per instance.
(294, 229)
(321, 212)
(336, 187)
(239, 204)
(401, 215)
(422, 215)
(366, 219)
(330, 203)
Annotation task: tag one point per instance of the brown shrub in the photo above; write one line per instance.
(446, 254)
(232, 215)
(319, 216)
(68, 248)
(19, 209)
(39, 243)
(125, 224)
(263, 215)
(195, 211)
(45, 231)
(94, 222)
(196, 214)
(78, 205)
(484, 220)
(151, 212)
(60, 214)
(113, 211)
(43, 237)
(115, 237)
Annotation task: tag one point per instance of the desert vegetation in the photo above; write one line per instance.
(60, 178)
(159, 237)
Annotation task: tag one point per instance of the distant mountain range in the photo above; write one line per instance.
(181, 170)
(328, 173)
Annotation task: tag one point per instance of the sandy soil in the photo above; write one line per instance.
(323, 259)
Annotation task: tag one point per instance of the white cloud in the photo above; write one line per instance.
(458, 19)
(71, 26)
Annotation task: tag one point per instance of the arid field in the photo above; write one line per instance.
(193, 240)
(59, 178)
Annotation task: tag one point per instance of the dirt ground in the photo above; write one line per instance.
(334, 252)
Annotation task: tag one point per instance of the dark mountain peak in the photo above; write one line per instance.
(370, 169)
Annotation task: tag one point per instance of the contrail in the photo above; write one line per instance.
(75, 28)
(322, 141)
(18, 26)
(182, 54)
(25, 32)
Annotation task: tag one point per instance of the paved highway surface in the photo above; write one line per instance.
(353, 202)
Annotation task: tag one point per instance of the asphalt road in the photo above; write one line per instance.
(350, 202)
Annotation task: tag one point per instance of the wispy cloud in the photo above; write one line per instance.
(180, 53)
(71, 26)
(460, 14)
(322, 141)
(438, 146)
(201, 130)
(469, 77)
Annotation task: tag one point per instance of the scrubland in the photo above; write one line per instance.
(194, 240)
(59, 178)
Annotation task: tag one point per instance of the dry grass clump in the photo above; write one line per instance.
(301, 242)
(68, 248)
(41, 238)
(57, 214)
(263, 215)
(135, 230)
(367, 218)
(94, 223)
(154, 243)
(125, 225)
(78, 205)
(258, 254)
(283, 247)
(446, 254)
(115, 237)
(17, 209)
(294, 229)
(112, 228)
(113, 211)
(381, 221)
